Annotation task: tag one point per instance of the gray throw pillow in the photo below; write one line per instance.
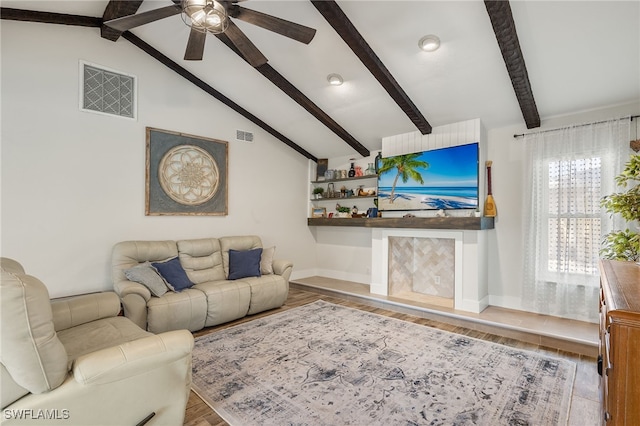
(266, 261)
(146, 275)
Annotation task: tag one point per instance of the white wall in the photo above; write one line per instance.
(73, 182)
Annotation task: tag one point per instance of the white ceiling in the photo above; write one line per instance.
(580, 55)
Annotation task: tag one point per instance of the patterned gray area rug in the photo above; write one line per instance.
(325, 364)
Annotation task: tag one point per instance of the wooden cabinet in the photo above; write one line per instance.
(619, 360)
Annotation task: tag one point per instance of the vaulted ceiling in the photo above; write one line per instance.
(517, 62)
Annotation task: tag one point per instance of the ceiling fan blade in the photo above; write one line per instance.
(248, 50)
(195, 46)
(127, 22)
(277, 25)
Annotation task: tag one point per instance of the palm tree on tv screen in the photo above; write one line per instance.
(407, 166)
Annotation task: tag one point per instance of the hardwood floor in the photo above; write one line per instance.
(585, 405)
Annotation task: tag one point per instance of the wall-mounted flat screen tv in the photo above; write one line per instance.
(445, 178)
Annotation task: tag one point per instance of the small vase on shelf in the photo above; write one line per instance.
(352, 171)
(370, 170)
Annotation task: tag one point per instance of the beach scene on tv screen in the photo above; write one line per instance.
(445, 178)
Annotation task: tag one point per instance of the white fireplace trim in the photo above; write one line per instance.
(470, 276)
(380, 277)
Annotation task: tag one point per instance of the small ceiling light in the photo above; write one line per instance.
(335, 79)
(205, 15)
(429, 43)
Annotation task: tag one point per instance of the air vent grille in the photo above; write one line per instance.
(241, 135)
(108, 92)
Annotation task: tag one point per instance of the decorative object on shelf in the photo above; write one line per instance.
(343, 191)
(364, 192)
(624, 245)
(354, 210)
(318, 191)
(321, 168)
(372, 212)
(186, 174)
(441, 213)
(318, 212)
(370, 171)
(352, 171)
(377, 161)
(331, 191)
(359, 172)
(330, 174)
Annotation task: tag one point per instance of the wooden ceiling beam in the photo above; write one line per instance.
(294, 93)
(504, 28)
(153, 52)
(117, 9)
(334, 15)
(49, 17)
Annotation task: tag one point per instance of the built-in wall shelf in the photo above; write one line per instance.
(463, 223)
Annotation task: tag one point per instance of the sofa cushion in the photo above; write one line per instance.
(226, 300)
(266, 261)
(173, 273)
(174, 311)
(240, 243)
(243, 264)
(202, 259)
(97, 335)
(148, 276)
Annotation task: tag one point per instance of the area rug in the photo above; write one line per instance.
(325, 364)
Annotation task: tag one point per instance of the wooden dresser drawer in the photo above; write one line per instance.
(620, 343)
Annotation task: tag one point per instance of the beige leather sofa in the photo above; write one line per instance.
(213, 299)
(74, 361)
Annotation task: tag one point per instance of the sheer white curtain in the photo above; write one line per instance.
(567, 172)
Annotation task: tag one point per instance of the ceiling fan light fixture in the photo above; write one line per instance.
(205, 15)
(335, 79)
(429, 43)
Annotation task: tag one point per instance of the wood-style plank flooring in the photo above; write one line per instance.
(585, 405)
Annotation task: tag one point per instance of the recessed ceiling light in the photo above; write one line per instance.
(335, 79)
(429, 43)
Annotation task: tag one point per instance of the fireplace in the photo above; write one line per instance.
(439, 267)
(422, 269)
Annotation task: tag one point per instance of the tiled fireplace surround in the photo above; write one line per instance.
(414, 258)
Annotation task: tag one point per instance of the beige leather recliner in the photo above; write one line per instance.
(74, 361)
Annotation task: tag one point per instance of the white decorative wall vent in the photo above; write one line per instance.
(105, 91)
(241, 135)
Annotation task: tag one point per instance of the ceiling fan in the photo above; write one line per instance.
(212, 16)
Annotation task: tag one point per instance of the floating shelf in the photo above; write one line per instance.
(463, 223)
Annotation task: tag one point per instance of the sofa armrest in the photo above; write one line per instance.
(134, 297)
(125, 287)
(132, 358)
(283, 268)
(72, 311)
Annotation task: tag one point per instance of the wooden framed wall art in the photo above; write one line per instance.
(185, 174)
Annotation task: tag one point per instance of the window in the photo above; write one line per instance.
(566, 172)
(573, 221)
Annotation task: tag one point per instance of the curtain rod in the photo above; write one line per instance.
(577, 125)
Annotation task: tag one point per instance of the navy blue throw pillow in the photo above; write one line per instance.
(173, 273)
(244, 264)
